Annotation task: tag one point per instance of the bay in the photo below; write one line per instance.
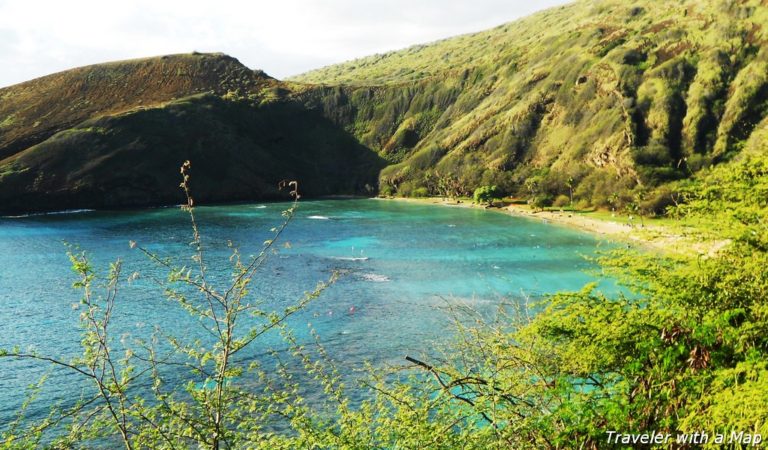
(402, 265)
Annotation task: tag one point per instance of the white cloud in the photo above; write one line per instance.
(282, 38)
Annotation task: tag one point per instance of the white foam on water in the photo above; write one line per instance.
(51, 213)
(375, 277)
(318, 217)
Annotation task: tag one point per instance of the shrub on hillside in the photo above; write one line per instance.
(541, 201)
(420, 192)
(561, 200)
(485, 194)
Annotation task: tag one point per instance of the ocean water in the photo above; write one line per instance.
(401, 265)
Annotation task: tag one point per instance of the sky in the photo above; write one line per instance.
(283, 38)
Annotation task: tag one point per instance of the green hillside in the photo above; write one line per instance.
(113, 135)
(609, 101)
(35, 110)
(619, 97)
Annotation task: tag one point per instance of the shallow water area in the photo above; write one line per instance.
(400, 265)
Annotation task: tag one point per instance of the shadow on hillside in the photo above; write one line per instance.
(239, 151)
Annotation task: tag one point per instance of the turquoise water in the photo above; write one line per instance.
(401, 263)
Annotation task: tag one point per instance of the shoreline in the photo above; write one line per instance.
(653, 237)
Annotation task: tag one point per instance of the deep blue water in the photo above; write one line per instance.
(402, 263)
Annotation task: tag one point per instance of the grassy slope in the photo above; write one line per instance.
(32, 111)
(118, 132)
(622, 98)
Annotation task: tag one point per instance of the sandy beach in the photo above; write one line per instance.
(647, 235)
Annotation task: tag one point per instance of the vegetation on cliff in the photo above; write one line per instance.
(109, 135)
(607, 102)
(622, 98)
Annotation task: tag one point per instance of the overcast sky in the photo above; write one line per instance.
(283, 37)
